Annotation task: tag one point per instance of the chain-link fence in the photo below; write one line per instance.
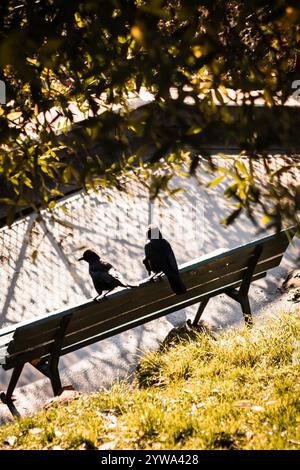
(38, 256)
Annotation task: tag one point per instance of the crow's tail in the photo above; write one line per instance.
(131, 286)
(176, 283)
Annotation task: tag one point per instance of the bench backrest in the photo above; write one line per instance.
(90, 322)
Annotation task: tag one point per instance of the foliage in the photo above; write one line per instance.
(266, 183)
(62, 60)
(239, 392)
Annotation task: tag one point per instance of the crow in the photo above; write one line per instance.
(160, 259)
(103, 274)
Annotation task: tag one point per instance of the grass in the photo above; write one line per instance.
(240, 391)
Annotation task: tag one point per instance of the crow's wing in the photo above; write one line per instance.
(147, 259)
(171, 257)
(147, 263)
(117, 276)
(105, 265)
(147, 249)
(102, 277)
(100, 267)
(105, 281)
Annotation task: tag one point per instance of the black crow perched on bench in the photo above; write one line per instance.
(103, 274)
(160, 259)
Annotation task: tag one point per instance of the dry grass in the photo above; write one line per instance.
(239, 392)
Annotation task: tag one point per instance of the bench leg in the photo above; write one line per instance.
(200, 310)
(50, 370)
(246, 309)
(55, 379)
(243, 299)
(55, 354)
(6, 397)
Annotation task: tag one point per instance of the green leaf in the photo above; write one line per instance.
(131, 159)
(216, 181)
(242, 167)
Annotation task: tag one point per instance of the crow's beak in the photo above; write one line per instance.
(80, 259)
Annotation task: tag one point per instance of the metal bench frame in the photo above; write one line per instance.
(240, 295)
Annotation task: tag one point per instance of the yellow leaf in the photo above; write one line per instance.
(137, 33)
(265, 220)
(14, 115)
(80, 23)
(216, 181)
(197, 52)
(240, 165)
(194, 130)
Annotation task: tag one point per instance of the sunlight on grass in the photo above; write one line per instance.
(240, 391)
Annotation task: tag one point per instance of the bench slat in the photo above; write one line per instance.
(161, 291)
(27, 331)
(157, 293)
(4, 340)
(21, 358)
(272, 245)
(20, 343)
(43, 351)
(137, 312)
(141, 321)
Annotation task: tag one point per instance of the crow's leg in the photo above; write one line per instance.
(104, 296)
(98, 295)
(157, 276)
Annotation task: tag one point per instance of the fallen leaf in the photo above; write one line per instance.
(107, 446)
(242, 404)
(10, 440)
(35, 431)
(292, 441)
(111, 426)
(257, 408)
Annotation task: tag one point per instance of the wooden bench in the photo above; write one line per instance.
(42, 341)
